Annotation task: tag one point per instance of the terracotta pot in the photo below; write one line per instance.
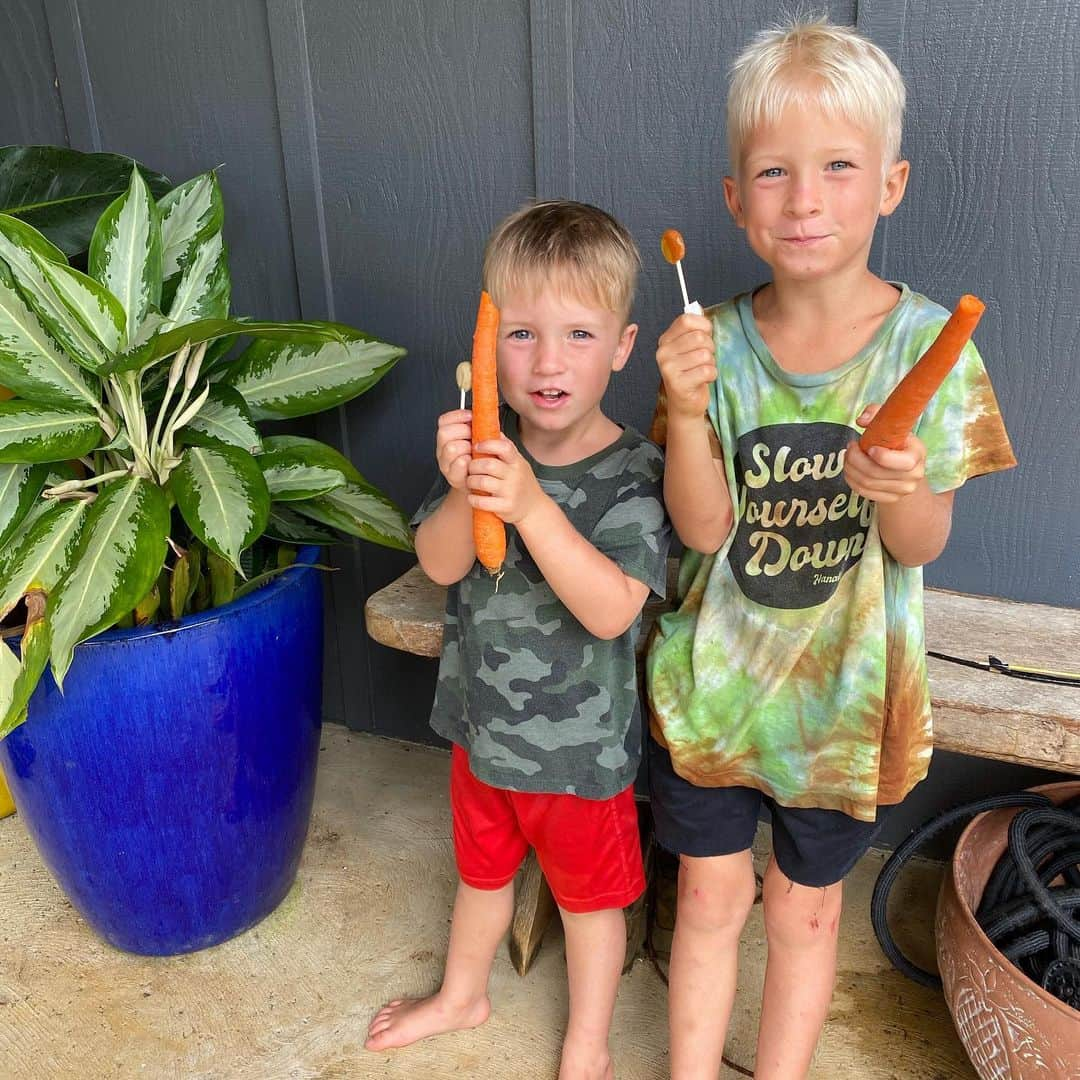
(1011, 1028)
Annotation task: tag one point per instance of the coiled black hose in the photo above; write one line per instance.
(1032, 922)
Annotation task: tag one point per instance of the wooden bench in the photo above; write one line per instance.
(975, 712)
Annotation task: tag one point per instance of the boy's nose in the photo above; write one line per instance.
(547, 359)
(804, 200)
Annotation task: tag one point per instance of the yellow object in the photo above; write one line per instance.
(7, 804)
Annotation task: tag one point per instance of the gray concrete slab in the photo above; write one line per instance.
(366, 921)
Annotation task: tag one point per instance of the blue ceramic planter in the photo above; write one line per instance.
(169, 788)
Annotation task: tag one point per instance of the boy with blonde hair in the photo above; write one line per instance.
(537, 683)
(793, 670)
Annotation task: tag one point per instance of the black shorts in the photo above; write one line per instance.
(812, 847)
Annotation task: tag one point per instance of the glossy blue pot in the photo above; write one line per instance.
(169, 788)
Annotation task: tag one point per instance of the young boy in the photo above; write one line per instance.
(793, 671)
(537, 687)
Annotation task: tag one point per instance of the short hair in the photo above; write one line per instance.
(813, 61)
(591, 256)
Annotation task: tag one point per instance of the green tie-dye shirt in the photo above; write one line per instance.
(794, 662)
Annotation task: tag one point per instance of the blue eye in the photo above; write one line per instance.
(838, 166)
(771, 173)
(580, 335)
(519, 335)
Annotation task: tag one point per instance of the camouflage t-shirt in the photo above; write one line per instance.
(539, 703)
(794, 663)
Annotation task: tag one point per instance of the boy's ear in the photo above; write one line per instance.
(625, 347)
(734, 203)
(896, 178)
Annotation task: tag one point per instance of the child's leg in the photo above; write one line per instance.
(801, 925)
(481, 918)
(595, 950)
(715, 897)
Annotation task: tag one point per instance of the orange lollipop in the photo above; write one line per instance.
(674, 250)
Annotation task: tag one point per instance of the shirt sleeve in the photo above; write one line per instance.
(634, 531)
(432, 501)
(962, 427)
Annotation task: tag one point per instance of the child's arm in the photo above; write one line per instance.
(695, 487)
(444, 541)
(595, 590)
(914, 522)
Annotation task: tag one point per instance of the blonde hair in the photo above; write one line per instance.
(814, 62)
(579, 248)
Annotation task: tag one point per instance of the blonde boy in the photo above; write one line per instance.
(793, 672)
(537, 686)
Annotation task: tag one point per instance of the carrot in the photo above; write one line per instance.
(489, 533)
(897, 417)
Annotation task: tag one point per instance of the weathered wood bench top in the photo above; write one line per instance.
(975, 712)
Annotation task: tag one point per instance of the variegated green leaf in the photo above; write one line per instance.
(222, 495)
(224, 419)
(10, 669)
(120, 552)
(29, 256)
(205, 287)
(30, 432)
(31, 363)
(361, 510)
(188, 212)
(306, 374)
(42, 556)
(34, 648)
(20, 486)
(298, 468)
(125, 252)
(165, 342)
(89, 301)
(292, 528)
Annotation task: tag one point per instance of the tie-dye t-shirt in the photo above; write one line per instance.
(794, 662)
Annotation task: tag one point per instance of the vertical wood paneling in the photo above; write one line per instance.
(32, 111)
(422, 117)
(73, 74)
(551, 30)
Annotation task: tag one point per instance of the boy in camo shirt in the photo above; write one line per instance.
(537, 682)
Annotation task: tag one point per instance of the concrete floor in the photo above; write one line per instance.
(367, 920)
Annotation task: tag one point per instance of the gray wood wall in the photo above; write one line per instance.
(367, 147)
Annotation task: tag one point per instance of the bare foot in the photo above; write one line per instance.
(408, 1020)
(583, 1063)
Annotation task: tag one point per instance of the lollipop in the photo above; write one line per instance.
(463, 377)
(674, 250)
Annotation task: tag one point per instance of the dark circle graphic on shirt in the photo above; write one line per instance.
(801, 528)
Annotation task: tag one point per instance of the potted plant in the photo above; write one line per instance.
(160, 712)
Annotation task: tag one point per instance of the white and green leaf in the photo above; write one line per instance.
(305, 374)
(205, 287)
(31, 432)
(43, 555)
(221, 493)
(224, 419)
(20, 485)
(92, 304)
(292, 528)
(361, 510)
(125, 252)
(190, 211)
(299, 468)
(119, 555)
(17, 684)
(31, 363)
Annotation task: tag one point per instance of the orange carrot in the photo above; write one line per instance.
(897, 417)
(673, 246)
(489, 533)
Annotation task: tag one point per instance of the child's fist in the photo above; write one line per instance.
(503, 482)
(687, 364)
(882, 475)
(453, 447)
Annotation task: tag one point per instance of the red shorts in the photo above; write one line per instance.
(588, 849)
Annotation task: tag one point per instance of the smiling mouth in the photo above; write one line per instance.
(549, 395)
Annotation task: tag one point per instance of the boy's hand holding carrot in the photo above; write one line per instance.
(453, 447)
(503, 483)
(687, 363)
(882, 475)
